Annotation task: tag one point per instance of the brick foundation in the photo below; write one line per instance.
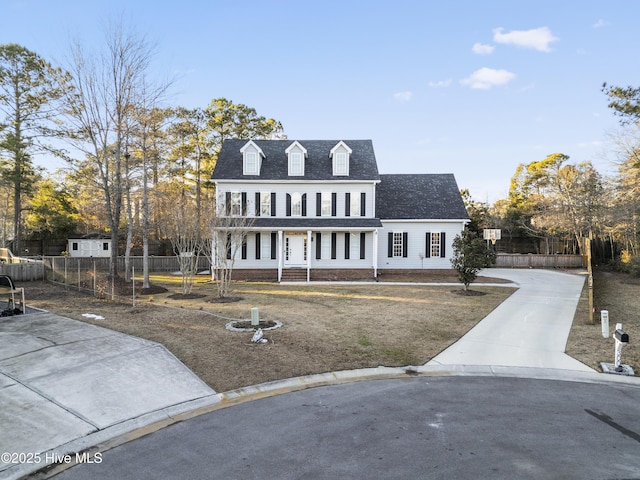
(337, 275)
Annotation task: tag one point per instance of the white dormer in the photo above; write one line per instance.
(297, 154)
(252, 156)
(340, 155)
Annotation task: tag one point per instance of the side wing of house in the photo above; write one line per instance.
(421, 215)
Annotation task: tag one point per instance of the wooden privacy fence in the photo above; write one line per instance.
(23, 271)
(531, 260)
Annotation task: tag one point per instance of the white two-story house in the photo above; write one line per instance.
(319, 209)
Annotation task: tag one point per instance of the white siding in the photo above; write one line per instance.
(416, 236)
(89, 247)
(310, 188)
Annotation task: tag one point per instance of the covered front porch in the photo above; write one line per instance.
(304, 254)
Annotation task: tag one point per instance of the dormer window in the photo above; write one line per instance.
(295, 167)
(340, 155)
(341, 164)
(296, 154)
(251, 163)
(252, 156)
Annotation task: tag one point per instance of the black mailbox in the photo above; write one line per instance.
(621, 336)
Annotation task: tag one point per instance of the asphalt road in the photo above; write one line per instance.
(419, 427)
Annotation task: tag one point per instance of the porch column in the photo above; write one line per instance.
(309, 250)
(279, 254)
(374, 247)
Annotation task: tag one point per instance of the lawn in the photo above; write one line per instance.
(325, 327)
(329, 327)
(619, 294)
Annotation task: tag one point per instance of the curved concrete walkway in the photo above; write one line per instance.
(529, 329)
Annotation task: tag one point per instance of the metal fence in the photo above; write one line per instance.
(531, 260)
(92, 274)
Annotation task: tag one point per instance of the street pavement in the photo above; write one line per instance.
(505, 400)
(469, 427)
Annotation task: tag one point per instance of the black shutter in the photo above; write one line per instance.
(334, 204)
(363, 239)
(443, 238)
(244, 248)
(390, 245)
(274, 245)
(244, 204)
(347, 204)
(304, 204)
(228, 246)
(227, 204)
(288, 204)
(318, 246)
(427, 245)
(273, 204)
(405, 244)
(347, 245)
(334, 241)
(258, 245)
(258, 206)
(363, 204)
(318, 204)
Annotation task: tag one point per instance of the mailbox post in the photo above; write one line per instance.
(621, 338)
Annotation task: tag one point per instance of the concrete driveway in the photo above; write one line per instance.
(64, 381)
(529, 329)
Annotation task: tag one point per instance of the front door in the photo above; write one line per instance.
(294, 251)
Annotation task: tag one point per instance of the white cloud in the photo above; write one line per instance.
(601, 23)
(537, 38)
(440, 83)
(482, 49)
(485, 78)
(403, 96)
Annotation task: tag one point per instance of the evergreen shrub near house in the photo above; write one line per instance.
(470, 255)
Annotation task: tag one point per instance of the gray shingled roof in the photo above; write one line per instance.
(318, 165)
(428, 196)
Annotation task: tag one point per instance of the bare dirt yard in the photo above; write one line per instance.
(325, 327)
(329, 327)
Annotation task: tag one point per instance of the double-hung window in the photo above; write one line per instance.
(296, 164)
(326, 204)
(435, 244)
(265, 204)
(355, 204)
(354, 245)
(341, 164)
(296, 205)
(265, 246)
(251, 163)
(236, 204)
(398, 244)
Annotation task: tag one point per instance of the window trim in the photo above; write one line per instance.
(251, 163)
(235, 207)
(265, 204)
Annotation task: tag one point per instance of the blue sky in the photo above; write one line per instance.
(471, 87)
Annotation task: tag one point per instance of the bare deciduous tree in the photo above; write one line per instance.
(108, 85)
(224, 241)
